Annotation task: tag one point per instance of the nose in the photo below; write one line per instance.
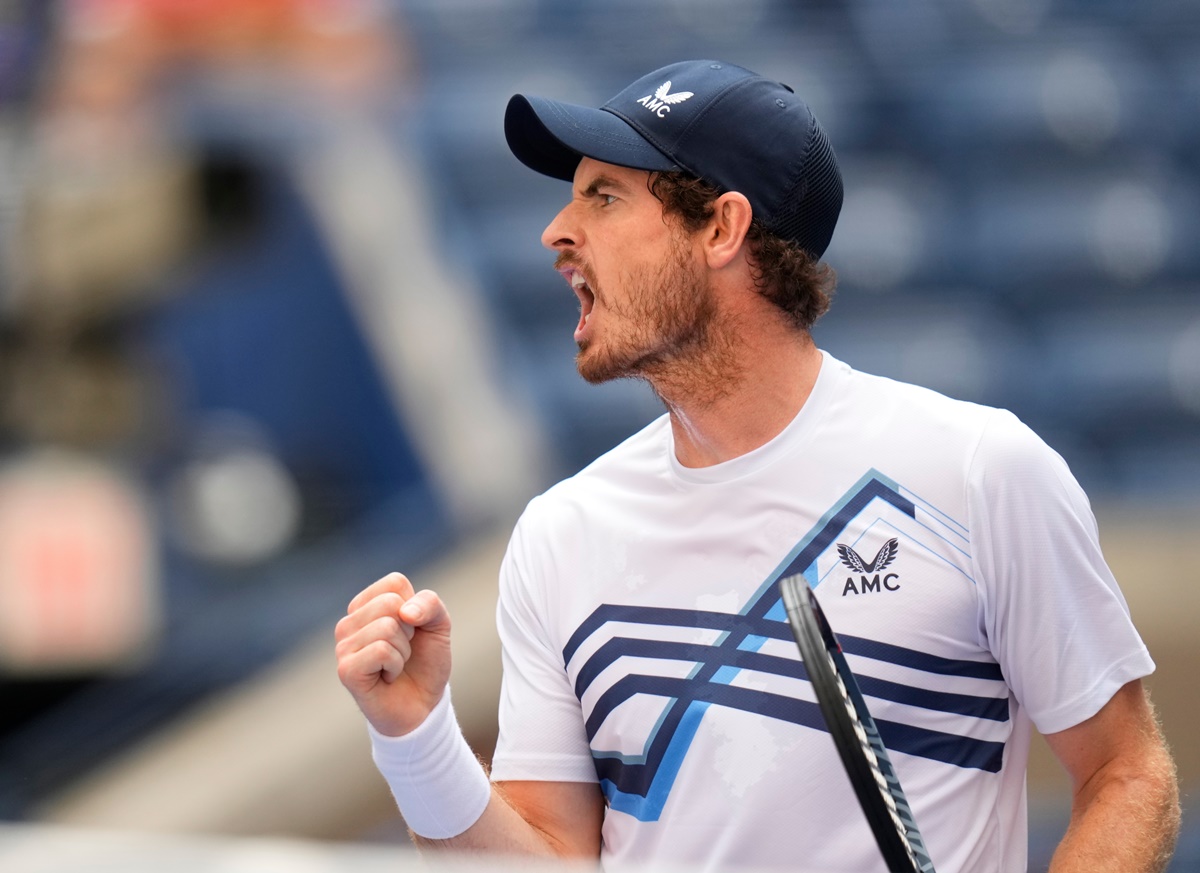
(561, 232)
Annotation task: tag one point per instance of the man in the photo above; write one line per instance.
(652, 709)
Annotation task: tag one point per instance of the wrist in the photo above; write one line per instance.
(438, 783)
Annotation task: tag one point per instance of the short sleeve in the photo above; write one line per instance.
(542, 736)
(1053, 614)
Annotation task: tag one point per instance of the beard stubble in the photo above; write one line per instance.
(666, 332)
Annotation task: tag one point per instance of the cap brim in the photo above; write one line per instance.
(551, 137)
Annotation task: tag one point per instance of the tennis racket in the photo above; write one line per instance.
(854, 732)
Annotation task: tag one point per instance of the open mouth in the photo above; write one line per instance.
(587, 299)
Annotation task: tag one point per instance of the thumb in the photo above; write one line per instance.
(426, 611)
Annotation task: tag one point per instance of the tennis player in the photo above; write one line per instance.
(654, 710)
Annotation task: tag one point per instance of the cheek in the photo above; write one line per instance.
(630, 265)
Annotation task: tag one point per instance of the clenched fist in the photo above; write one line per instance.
(393, 653)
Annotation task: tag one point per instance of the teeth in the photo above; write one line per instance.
(577, 280)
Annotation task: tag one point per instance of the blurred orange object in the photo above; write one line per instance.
(340, 47)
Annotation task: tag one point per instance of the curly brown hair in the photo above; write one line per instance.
(799, 284)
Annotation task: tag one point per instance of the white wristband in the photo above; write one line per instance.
(437, 781)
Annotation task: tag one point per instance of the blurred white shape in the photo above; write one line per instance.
(880, 236)
(1014, 16)
(1080, 100)
(43, 848)
(257, 856)
(1183, 368)
(1131, 231)
(239, 505)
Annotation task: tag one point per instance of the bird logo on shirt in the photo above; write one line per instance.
(883, 558)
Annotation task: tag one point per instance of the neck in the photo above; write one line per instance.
(760, 388)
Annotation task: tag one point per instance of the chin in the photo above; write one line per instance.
(596, 367)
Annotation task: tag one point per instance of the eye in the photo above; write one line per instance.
(608, 199)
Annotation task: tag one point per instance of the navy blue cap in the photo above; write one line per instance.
(722, 123)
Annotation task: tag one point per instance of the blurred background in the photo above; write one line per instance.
(274, 321)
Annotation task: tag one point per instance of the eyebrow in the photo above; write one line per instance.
(603, 181)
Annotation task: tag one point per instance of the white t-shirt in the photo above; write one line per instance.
(645, 645)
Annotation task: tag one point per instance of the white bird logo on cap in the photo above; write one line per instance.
(664, 94)
(662, 101)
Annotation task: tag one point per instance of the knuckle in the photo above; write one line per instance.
(384, 652)
(391, 600)
(395, 578)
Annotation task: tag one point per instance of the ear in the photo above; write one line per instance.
(727, 229)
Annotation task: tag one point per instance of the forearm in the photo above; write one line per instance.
(393, 649)
(500, 830)
(1124, 824)
(448, 803)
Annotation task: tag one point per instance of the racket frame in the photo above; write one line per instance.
(854, 732)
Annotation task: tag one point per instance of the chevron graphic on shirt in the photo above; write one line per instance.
(639, 784)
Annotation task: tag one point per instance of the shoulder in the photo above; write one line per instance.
(912, 412)
(1012, 457)
(967, 448)
(632, 466)
(558, 529)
